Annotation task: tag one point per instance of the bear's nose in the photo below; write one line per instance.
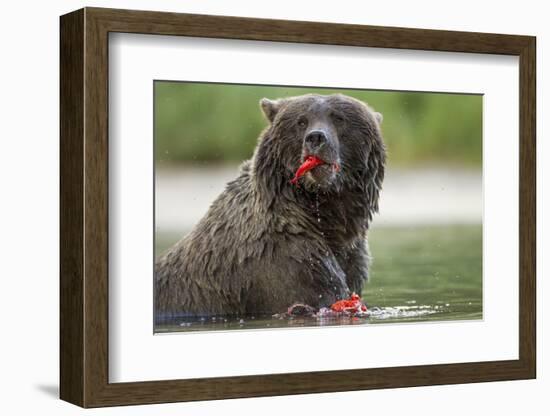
(316, 138)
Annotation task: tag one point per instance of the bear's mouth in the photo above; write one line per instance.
(313, 162)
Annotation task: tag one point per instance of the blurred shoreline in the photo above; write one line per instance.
(410, 197)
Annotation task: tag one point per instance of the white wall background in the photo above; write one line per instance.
(29, 207)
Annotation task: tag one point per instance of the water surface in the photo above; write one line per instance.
(418, 273)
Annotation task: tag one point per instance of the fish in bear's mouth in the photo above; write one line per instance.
(311, 162)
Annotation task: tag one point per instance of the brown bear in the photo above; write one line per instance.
(266, 243)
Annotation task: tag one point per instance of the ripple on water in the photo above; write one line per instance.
(409, 312)
(401, 312)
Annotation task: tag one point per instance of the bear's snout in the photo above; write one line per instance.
(316, 139)
(322, 144)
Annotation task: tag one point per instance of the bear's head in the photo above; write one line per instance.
(339, 130)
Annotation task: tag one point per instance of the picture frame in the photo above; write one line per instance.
(84, 218)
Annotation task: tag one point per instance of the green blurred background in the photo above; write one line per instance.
(197, 122)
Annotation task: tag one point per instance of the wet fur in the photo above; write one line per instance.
(265, 244)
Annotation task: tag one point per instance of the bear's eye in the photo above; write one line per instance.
(302, 122)
(338, 119)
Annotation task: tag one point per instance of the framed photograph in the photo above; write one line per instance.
(255, 207)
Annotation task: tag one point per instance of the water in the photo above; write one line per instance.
(418, 274)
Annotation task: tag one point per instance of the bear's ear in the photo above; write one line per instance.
(379, 117)
(270, 108)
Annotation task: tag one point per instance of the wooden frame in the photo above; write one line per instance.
(84, 207)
